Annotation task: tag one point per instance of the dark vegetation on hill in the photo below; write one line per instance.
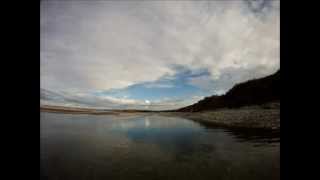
(252, 92)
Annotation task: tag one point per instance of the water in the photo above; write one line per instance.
(151, 147)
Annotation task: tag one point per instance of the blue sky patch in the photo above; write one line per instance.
(176, 86)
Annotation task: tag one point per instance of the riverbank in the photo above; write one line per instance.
(264, 116)
(253, 117)
(250, 117)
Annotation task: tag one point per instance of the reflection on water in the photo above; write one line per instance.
(152, 147)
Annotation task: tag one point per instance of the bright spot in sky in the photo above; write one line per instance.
(147, 101)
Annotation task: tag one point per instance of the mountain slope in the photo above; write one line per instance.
(252, 92)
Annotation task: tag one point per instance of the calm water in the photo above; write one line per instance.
(152, 147)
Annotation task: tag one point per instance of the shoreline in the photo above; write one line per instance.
(267, 119)
(246, 118)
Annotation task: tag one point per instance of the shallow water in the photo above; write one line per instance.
(152, 147)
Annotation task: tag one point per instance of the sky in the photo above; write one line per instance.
(153, 54)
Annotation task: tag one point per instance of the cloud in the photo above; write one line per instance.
(89, 46)
(109, 102)
(154, 85)
(204, 82)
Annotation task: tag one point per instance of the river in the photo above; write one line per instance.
(151, 146)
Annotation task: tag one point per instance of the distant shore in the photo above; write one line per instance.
(253, 117)
(76, 110)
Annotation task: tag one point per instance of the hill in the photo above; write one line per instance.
(252, 92)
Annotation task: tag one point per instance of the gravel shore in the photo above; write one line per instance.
(250, 117)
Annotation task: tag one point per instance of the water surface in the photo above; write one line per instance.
(150, 147)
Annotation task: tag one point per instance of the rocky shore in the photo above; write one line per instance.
(264, 117)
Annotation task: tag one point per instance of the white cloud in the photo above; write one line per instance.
(108, 102)
(100, 45)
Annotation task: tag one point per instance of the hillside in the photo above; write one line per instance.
(252, 92)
